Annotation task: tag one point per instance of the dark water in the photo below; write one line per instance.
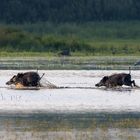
(83, 126)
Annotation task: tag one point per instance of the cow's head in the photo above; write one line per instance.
(102, 82)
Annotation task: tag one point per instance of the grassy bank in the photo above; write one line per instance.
(96, 38)
(70, 63)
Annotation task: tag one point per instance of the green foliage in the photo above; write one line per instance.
(12, 39)
(96, 38)
(16, 40)
(90, 30)
(54, 43)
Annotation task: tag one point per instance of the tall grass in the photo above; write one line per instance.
(90, 30)
(94, 38)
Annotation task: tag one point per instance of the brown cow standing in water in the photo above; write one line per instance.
(28, 79)
(116, 80)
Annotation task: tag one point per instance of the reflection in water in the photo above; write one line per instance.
(86, 126)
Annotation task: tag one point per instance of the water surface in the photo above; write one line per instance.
(71, 113)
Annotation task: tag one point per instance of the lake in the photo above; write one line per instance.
(79, 112)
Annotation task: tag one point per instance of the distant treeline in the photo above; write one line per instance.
(22, 11)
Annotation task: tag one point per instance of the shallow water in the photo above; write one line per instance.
(84, 99)
(71, 113)
(52, 126)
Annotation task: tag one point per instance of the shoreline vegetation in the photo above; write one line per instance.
(70, 63)
(93, 45)
(78, 39)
